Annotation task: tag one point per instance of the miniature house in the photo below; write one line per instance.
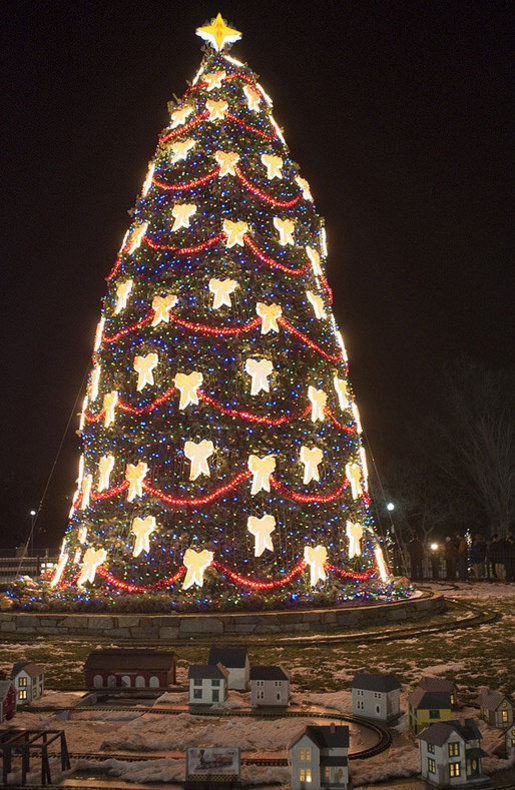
(236, 662)
(496, 708)
(319, 758)
(269, 686)
(207, 684)
(28, 680)
(127, 668)
(430, 683)
(428, 707)
(450, 754)
(376, 696)
(7, 700)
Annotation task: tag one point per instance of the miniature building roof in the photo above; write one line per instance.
(123, 659)
(207, 671)
(429, 700)
(262, 672)
(31, 669)
(437, 734)
(430, 683)
(228, 656)
(475, 752)
(326, 736)
(491, 699)
(385, 683)
(333, 761)
(5, 685)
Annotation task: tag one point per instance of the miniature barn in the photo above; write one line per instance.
(450, 754)
(269, 686)
(376, 696)
(28, 680)
(207, 684)
(236, 661)
(120, 668)
(319, 758)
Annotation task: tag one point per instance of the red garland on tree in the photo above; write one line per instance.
(222, 449)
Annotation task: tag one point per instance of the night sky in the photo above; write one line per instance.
(399, 116)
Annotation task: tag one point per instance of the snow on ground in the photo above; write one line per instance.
(168, 770)
(394, 764)
(154, 732)
(58, 699)
(340, 701)
(321, 677)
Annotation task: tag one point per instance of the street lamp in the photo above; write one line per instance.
(33, 515)
(390, 506)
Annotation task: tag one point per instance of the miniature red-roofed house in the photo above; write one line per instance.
(430, 683)
(118, 668)
(28, 680)
(496, 708)
(7, 700)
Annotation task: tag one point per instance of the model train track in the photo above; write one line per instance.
(384, 736)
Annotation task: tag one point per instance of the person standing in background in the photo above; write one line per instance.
(499, 558)
(416, 552)
(490, 557)
(451, 553)
(477, 557)
(510, 558)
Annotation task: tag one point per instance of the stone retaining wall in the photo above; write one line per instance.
(169, 628)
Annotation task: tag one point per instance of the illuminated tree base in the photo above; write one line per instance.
(215, 596)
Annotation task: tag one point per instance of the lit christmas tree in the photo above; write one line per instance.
(222, 459)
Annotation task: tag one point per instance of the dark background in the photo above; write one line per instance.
(399, 115)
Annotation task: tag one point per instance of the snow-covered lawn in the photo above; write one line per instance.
(321, 676)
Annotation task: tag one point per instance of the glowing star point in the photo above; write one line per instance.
(218, 34)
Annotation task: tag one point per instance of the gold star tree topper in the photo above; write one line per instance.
(218, 34)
